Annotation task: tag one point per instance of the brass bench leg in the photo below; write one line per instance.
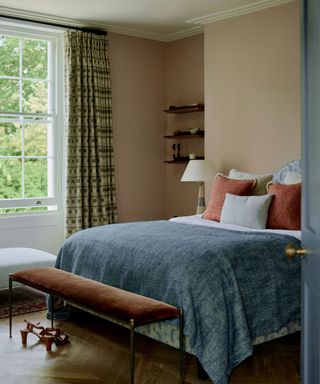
(181, 347)
(10, 306)
(51, 309)
(132, 350)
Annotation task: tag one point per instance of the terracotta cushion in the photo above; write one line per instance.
(285, 208)
(262, 180)
(221, 186)
(98, 297)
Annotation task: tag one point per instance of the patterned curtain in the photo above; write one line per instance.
(90, 195)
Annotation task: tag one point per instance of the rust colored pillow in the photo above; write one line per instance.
(221, 186)
(285, 208)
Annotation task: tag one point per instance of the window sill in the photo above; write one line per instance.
(23, 220)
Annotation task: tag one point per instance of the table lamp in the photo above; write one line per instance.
(199, 171)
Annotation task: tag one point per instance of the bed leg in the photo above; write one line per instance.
(181, 347)
(51, 309)
(132, 350)
(202, 374)
(10, 306)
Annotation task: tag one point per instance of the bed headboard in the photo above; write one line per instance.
(292, 166)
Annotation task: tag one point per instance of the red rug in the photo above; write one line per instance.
(25, 300)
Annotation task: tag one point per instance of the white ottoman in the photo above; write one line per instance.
(17, 259)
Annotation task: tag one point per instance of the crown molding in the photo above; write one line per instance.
(196, 30)
(165, 38)
(63, 21)
(192, 30)
(238, 11)
(39, 17)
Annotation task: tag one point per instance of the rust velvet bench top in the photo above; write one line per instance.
(129, 309)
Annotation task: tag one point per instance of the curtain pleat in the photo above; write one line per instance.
(90, 184)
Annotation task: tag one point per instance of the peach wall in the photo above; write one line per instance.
(252, 90)
(184, 84)
(252, 111)
(251, 66)
(138, 97)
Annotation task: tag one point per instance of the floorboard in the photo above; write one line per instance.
(99, 353)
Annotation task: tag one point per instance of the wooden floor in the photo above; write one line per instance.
(98, 353)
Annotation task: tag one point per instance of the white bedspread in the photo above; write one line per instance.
(197, 220)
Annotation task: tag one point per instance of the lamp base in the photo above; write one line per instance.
(201, 207)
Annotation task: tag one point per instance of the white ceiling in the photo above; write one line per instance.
(163, 20)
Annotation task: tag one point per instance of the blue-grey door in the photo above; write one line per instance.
(311, 192)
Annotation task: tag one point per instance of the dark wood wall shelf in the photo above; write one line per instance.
(184, 108)
(178, 134)
(186, 135)
(181, 160)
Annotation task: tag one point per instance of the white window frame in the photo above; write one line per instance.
(55, 37)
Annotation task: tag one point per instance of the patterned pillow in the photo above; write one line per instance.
(292, 178)
(221, 186)
(262, 180)
(292, 166)
(285, 208)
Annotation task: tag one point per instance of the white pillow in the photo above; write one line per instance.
(235, 174)
(292, 178)
(248, 211)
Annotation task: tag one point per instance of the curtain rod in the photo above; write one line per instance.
(77, 28)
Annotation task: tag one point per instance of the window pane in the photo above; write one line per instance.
(9, 56)
(34, 96)
(35, 59)
(35, 178)
(35, 139)
(27, 93)
(10, 139)
(10, 176)
(9, 95)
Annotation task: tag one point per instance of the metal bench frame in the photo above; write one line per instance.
(131, 325)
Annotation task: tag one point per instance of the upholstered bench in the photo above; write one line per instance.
(114, 304)
(17, 259)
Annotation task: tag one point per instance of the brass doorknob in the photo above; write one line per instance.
(293, 251)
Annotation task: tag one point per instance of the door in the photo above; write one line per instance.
(311, 192)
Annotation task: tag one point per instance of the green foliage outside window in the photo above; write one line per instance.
(23, 89)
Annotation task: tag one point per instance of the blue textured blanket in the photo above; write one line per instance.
(233, 286)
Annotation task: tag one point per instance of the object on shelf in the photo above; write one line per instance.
(192, 156)
(174, 151)
(193, 131)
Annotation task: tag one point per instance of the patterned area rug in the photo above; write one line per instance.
(25, 300)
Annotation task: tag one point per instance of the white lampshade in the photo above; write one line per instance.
(199, 170)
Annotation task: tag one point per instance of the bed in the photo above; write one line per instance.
(235, 284)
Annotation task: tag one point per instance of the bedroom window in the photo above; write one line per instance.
(30, 120)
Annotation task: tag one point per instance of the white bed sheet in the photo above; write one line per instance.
(197, 220)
